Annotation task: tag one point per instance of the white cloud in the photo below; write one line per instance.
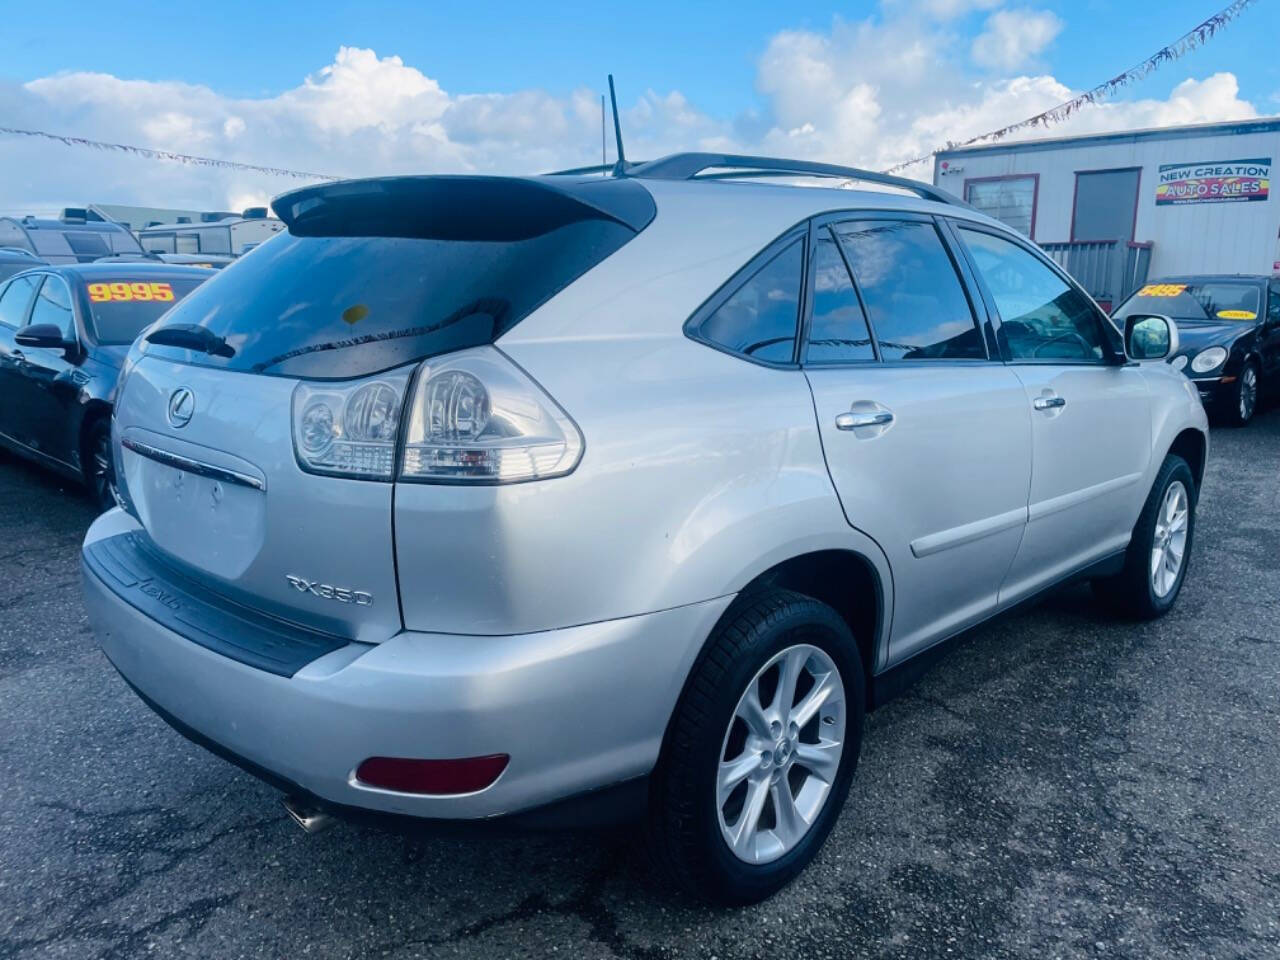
(867, 93)
(1012, 38)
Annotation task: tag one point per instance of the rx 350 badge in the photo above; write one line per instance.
(327, 591)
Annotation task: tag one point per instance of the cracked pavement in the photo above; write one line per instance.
(1058, 786)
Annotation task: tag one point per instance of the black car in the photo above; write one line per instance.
(1229, 336)
(64, 334)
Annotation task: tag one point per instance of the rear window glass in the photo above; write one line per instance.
(331, 307)
(1194, 301)
(121, 307)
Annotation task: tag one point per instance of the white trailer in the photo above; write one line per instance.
(230, 235)
(1116, 208)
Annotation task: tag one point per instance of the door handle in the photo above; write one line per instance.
(852, 421)
(1049, 403)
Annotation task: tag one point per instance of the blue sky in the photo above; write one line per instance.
(255, 48)
(506, 86)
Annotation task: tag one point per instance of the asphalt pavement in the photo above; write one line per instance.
(1059, 786)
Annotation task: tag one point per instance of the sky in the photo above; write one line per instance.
(360, 89)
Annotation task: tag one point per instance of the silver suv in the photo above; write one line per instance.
(574, 495)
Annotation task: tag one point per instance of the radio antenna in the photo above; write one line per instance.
(620, 168)
(604, 155)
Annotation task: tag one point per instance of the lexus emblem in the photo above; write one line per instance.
(182, 404)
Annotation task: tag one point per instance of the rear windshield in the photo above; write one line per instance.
(1194, 301)
(122, 306)
(334, 306)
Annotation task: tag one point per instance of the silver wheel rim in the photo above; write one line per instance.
(779, 758)
(1248, 393)
(1169, 546)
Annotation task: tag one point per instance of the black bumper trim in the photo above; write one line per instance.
(128, 569)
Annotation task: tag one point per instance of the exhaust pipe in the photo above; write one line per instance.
(306, 815)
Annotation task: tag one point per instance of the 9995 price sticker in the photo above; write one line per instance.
(122, 290)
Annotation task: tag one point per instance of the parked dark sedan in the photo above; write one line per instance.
(64, 334)
(1229, 334)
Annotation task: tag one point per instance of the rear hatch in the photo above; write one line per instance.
(257, 423)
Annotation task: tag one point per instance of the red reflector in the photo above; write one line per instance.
(466, 775)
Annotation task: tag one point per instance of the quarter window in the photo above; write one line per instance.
(838, 330)
(14, 300)
(914, 297)
(53, 305)
(759, 318)
(1041, 315)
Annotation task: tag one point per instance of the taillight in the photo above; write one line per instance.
(476, 417)
(350, 429)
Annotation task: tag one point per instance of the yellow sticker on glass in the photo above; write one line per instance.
(129, 290)
(1237, 315)
(1162, 289)
(353, 315)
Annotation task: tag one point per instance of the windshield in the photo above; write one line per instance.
(122, 306)
(1220, 300)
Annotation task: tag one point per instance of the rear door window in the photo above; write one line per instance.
(918, 307)
(759, 318)
(837, 328)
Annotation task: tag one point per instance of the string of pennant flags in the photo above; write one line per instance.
(169, 155)
(1191, 40)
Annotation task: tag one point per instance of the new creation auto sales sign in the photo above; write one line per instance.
(1221, 181)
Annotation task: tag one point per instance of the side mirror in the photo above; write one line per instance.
(1150, 336)
(45, 335)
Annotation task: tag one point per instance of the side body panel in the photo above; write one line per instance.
(942, 488)
(1090, 458)
(699, 472)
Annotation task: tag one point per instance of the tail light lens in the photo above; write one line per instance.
(475, 417)
(350, 429)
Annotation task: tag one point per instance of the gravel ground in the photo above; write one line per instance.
(1059, 786)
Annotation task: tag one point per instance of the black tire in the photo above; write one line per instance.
(1245, 397)
(99, 476)
(684, 831)
(1131, 593)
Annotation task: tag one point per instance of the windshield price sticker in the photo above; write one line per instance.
(1237, 315)
(110, 292)
(1162, 290)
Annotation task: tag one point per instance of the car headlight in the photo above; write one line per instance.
(1209, 359)
(1178, 362)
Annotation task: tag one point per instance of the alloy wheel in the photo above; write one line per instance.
(781, 754)
(1248, 392)
(1168, 547)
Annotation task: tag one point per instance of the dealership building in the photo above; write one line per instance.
(1118, 208)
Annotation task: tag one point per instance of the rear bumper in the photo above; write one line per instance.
(576, 709)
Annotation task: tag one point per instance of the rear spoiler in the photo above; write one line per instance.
(502, 209)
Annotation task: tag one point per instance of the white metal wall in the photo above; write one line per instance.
(1195, 238)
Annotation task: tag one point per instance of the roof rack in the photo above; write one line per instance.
(688, 166)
